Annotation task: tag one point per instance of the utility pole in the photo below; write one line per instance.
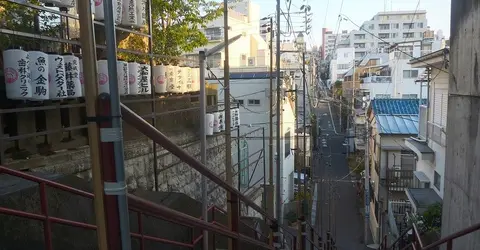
(270, 139)
(232, 202)
(279, 110)
(87, 41)
(367, 182)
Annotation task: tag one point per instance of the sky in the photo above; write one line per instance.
(438, 13)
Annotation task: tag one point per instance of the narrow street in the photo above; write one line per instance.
(339, 207)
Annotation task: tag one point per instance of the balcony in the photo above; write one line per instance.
(437, 133)
(377, 79)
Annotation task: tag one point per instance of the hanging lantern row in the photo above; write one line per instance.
(215, 122)
(35, 75)
(126, 12)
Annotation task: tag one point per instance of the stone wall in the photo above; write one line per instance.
(173, 174)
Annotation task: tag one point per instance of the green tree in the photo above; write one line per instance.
(177, 24)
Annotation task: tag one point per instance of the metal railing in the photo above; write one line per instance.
(437, 134)
(399, 180)
(376, 79)
(416, 243)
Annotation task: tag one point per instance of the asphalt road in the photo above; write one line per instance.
(338, 206)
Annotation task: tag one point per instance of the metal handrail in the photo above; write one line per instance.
(158, 137)
(138, 205)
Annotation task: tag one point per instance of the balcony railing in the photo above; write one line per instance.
(437, 133)
(396, 215)
(377, 79)
(399, 180)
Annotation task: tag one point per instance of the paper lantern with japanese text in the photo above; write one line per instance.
(72, 75)
(16, 68)
(129, 12)
(171, 78)
(209, 124)
(122, 78)
(56, 77)
(103, 77)
(39, 75)
(144, 83)
(159, 78)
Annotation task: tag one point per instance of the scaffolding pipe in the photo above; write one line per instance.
(114, 134)
(87, 41)
(203, 140)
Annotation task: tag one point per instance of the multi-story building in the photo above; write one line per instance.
(430, 143)
(249, 50)
(342, 63)
(391, 27)
(328, 41)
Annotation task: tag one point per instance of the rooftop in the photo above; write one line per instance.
(395, 106)
(397, 124)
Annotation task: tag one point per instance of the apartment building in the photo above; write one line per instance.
(342, 63)
(430, 143)
(328, 42)
(391, 27)
(250, 50)
(391, 162)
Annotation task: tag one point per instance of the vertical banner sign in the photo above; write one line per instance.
(144, 84)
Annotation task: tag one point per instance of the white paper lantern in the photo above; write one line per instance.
(195, 79)
(72, 76)
(181, 79)
(189, 83)
(16, 68)
(141, 8)
(39, 75)
(186, 79)
(237, 117)
(232, 118)
(144, 83)
(122, 78)
(129, 15)
(82, 79)
(133, 78)
(159, 76)
(118, 11)
(216, 122)
(209, 124)
(56, 77)
(60, 3)
(171, 79)
(102, 77)
(221, 120)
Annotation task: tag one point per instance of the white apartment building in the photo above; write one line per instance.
(430, 144)
(396, 78)
(251, 91)
(392, 27)
(344, 61)
(328, 41)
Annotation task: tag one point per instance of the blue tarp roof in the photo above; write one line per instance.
(396, 106)
(397, 124)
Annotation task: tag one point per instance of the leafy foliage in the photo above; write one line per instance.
(24, 19)
(430, 220)
(177, 27)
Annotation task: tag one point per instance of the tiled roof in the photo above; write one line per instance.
(397, 124)
(395, 106)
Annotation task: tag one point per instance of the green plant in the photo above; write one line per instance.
(430, 220)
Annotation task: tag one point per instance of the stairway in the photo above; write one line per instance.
(22, 233)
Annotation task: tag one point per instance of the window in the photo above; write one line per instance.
(436, 180)
(244, 164)
(240, 101)
(384, 35)
(408, 26)
(384, 26)
(409, 96)
(382, 96)
(408, 35)
(420, 25)
(253, 102)
(371, 27)
(359, 45)
(359, 54)
(395, 26)
(359, 36)
(394, 35)
(344, 66)
(410, 73)
(287, 144)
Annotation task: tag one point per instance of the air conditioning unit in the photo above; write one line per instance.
(251, 61)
